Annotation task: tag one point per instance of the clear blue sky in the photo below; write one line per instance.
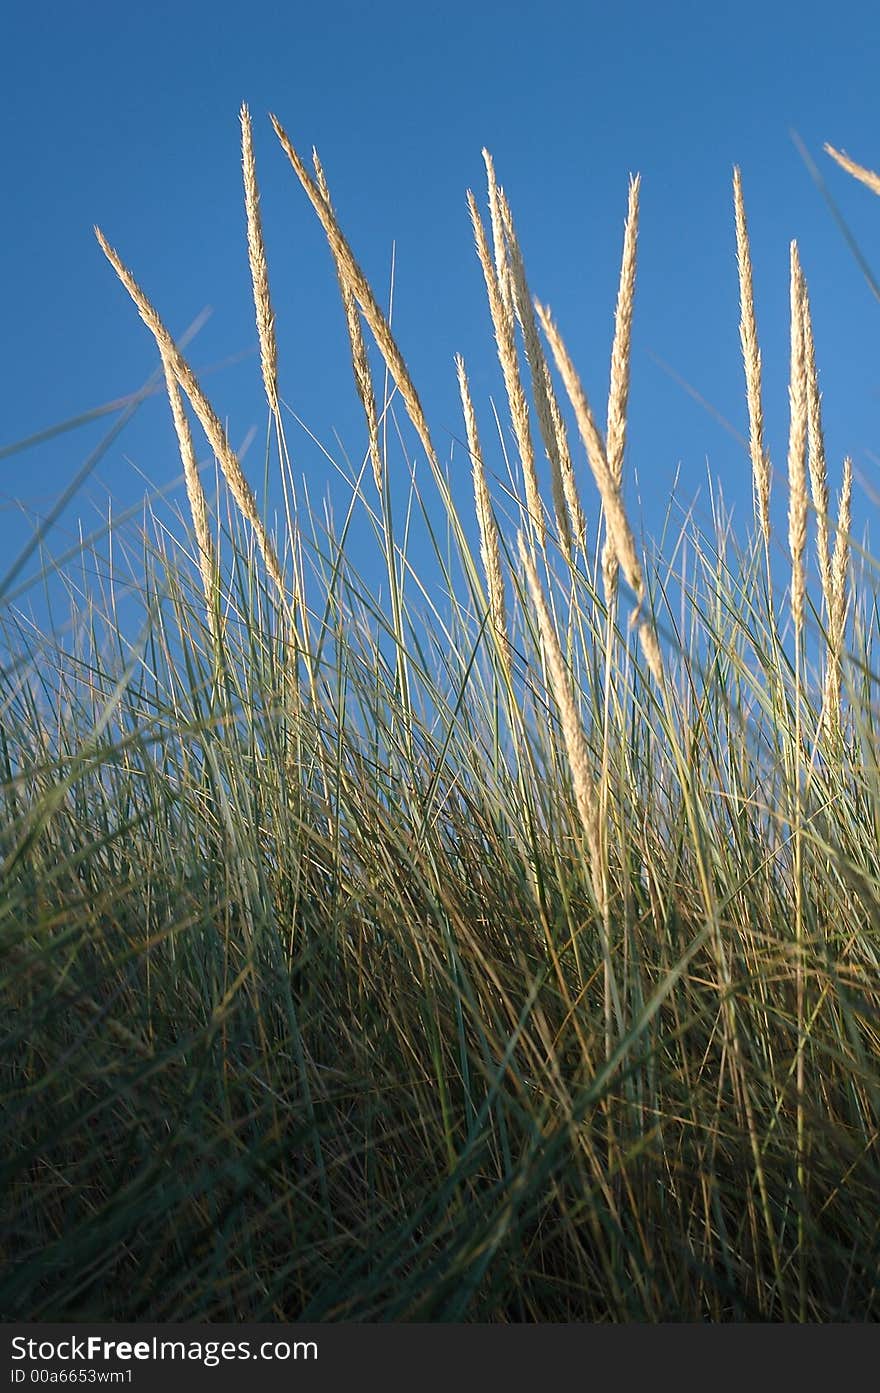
(128, 116)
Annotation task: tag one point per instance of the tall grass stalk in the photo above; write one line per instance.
(797, 536)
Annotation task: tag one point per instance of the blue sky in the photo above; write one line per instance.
(128, 117)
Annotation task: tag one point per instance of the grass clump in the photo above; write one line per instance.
(371, 955)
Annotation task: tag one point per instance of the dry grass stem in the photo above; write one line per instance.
(618, 393)
(858, 171)
(839, 599)
(208, 419)
(259, 269)
(748, 332)
(499, 237)
(490, 543)
(360, 363)
(797, 439)
(618, 526)
(840, 560)
(569, 482)
(359, 286)
(566, 503)
(816, 451)
(196, 495)
(651, 649)
(616, 522)
(505, 338)
(573, 736)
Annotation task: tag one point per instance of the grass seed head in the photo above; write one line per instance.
(490, 545)
(748, 332)
(858, 171)
(258, 265)
(505, 339)
(208, 419)
(797, 437)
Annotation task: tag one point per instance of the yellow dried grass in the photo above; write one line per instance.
(837, 611)
(359, 286)
(501, 312)
(258, 266)
(490, 542)
(858, 171)
(797, 441)
(575, 741)
(617, 525)
(499, 239)
(196, 496)
(208, 419)
(748, 331)
(618, 392)
(818, 469)
(360, 363)
(570, 520)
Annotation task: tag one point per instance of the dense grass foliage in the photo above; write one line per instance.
(381, 950)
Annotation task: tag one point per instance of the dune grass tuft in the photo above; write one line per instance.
(471, 961)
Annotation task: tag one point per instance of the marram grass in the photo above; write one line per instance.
(418, 945)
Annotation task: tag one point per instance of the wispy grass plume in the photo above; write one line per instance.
(502, 314)
(748, 331)
(210, 422)
(619, 532)
(197, 503)
(621, 352)
(570, 521)
(259, 269)
(490, 542)
(797, 444)
(360, 362)
(858, 171)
